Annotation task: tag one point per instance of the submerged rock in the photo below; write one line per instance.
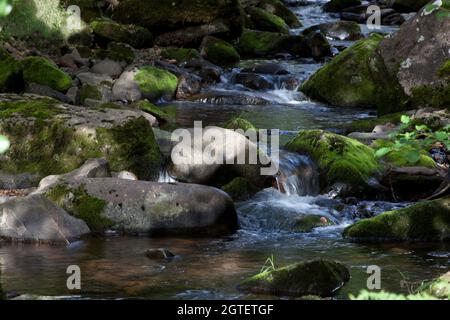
(317, 277)
(307, 223)
(49, 137)
(339, 30)
(36, 219)
(339, 160)
(143, 207)
(159, 254)
(228, 98)
(424, 221)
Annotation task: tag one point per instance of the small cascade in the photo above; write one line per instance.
(165, 177)
(298, 175)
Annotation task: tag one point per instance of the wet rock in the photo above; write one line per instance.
(307, 223)
(36, 219)
(267, 68)
(188, 85)
(146, 82)
(94, 79)
(339, 160)
(228, 98)
(56, 138)
(318, 46)
(240, 189)
(219, 51)
(159, 254)
(317, 277)
(409, 5)
(143, 207)
(166, 16)
(109, 30)
(277, 8)
(425, 221)
(107, 67)
(339, 30)
(266, 21)
(339, 5)
(150, 108)
(253, 81)
(239, 123)
(181, 55)
(210, 73)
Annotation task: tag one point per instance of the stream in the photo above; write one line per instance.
(211, 268)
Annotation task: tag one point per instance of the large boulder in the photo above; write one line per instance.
(142, 207)
(145, 82)
(163, 16)
(417, 52)
(277, 8)
(36, 219)
(357, 78)
(317, 277)
(340, 160)
(219, 51)
(266, 21)
(49, 137)
(338, 30)
(424, 221)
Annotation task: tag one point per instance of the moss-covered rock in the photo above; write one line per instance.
(181, 55)
(439, 288)
(109, 30)
(367, 125)
(339, 5)
(164, 16)
(339, 159)
(239, 123)
(240, 189)
(117, 51)
(155, 83)
(277, 8)
(42, 71)
(338, 30)
(149, 107)
(48, 137)
(435, 96)
(219, 51)
(309, 222)
(317, 277)
(424, 221)
(10, 76)
(399, 157)
(444, 70)
(357, 78)
(266, 21)
(259, 43)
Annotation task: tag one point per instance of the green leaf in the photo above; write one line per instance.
(422, 128)
(405, 119)
(440, 135)
(412, 156)
(382, 152)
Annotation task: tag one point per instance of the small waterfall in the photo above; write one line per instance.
(165, 177)
(298, 175)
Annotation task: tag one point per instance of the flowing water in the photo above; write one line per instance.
(211, 268)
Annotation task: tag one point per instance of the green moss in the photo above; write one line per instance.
(398, 158)
(90, 92)
(239, 123)
(10, 73)
(43, 71)
(444, 70)
(219, 52)
(42, 109)
(266, 21)
(318, 277)
(383, 295)
(81, 205)
(339, 158)
(439, 288)
(367, 125)
(307, 223)
(239, 189)
(278, 8)
(131, 34)
(259, 43)
(117, 51)
(156, 83)
(437, 96)
(149, 107)
(180, 54)
(357, 77)
(424, 221)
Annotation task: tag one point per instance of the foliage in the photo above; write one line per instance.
(415, 139)
(5, 8)
(269, 265)
(383, 295)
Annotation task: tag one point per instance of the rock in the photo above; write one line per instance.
(150, 108)
(94, 79)
(10, 78)
(339, 160)
(439, 287)
(219, 51)
(368, 125)
(316, 277)
(117, 51)
(318, 46)
(266, 21)
(339, 5)
(357, 77)
(339, 30)
(414, 56)
(240, 189)
(108, 67)
(143, 207)
(253, 81)
(209, 72)
(277, 8)
(126, 175)
(307, 223)
(239, 123)
(409, 5)
(73, 94)
(267, 68)
(42, 71)
(145, 83)
(424, 221)
(42, 90)
(159, 254)
(109, 30)
(99, 94)
(228, 98)
(237, 145)
(36, 219)
(188, 82)
(181, 55)
(18, 181)
(49, 137)
(163, 16)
